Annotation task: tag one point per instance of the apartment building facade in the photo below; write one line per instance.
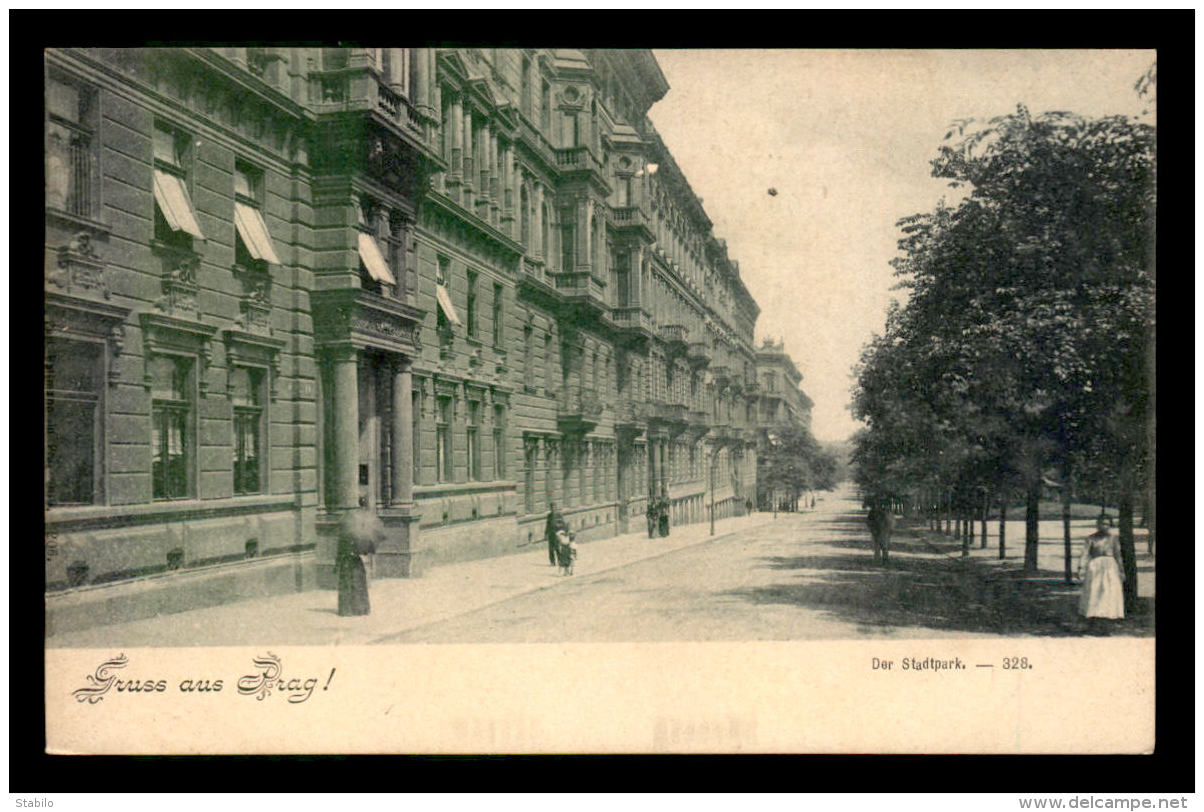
(455, 283)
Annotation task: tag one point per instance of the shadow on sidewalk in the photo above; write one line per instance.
(937, 593)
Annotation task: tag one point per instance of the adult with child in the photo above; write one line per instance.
(554, 524)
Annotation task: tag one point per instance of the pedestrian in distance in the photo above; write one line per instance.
(663, 517)
(1102, 596)
(882, 524)
(650, 513)
(554, 523)
(358, 534)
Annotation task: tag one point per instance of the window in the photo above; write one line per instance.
(415, 448)
(524, 205)
(599, 471)
(472, 305)
(374, 270)
(525, 89)
(545, 107)
(443, 447)
(247, 398)
(70, 156)
(253, 244)
(474, 440)
(528, 359)
(623, 191)
(499, 442)
(566, 247)
(74, 421)
(572, 131)
(529, 458)
(543, 232)
(769, 382)
(171, 426)
(497, 316)
(175, 218)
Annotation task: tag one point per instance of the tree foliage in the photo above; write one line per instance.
(1022, 344)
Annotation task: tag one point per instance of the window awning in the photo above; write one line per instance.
(445, 304)
(172, 196)
(374, 261)
(254, 233)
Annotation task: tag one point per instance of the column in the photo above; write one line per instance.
(507, 179)
(396, 70)
(420, 84)
(402, 451)
(470, 167)
(346, 429)
(494, 197)
(455, 122)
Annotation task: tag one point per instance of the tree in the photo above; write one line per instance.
(1023, 343)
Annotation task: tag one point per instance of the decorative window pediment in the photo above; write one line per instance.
(244, 348)
(164, 334)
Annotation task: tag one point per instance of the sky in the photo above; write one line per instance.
(846, 139)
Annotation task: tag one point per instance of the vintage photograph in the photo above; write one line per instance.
(351, 346)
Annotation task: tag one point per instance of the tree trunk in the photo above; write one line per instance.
(1003, 529)
(1066, 530)
(948, 514)
(1128, 552)
(1032, 532)
(965, 540)
(986, 500)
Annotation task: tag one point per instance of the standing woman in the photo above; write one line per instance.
(1100, 568)
(359, 533)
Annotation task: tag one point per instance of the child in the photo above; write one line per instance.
(566, 551)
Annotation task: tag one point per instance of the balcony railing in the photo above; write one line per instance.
(577, 409)
(535, 270)
(698, 353)
(630, 412)
(358, 88)
(399, 110)
(632, 318)
(674, 334)
(576, 159)
(623, 216)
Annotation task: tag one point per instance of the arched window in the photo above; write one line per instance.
(543, 230)
(524, 218)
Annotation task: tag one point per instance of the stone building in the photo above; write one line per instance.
(781, 401)
(458, 283)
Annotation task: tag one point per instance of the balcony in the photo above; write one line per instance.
(581, 287)
(360, 89)
(632, 320)
(674, 336)
(577, 411)
(630, 415)
(635, 218)
(698, 354)
(721, 373)
(579, 160)
(672, 416)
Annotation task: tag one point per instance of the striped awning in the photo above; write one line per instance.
(172, 197)
(445, 304)
(374, 261)
(254, 233)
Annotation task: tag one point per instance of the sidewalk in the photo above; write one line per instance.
(398, 605)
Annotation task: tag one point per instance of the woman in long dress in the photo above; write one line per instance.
(359, 533)
(1100, 568)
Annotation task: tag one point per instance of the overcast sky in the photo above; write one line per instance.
(845, 137)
